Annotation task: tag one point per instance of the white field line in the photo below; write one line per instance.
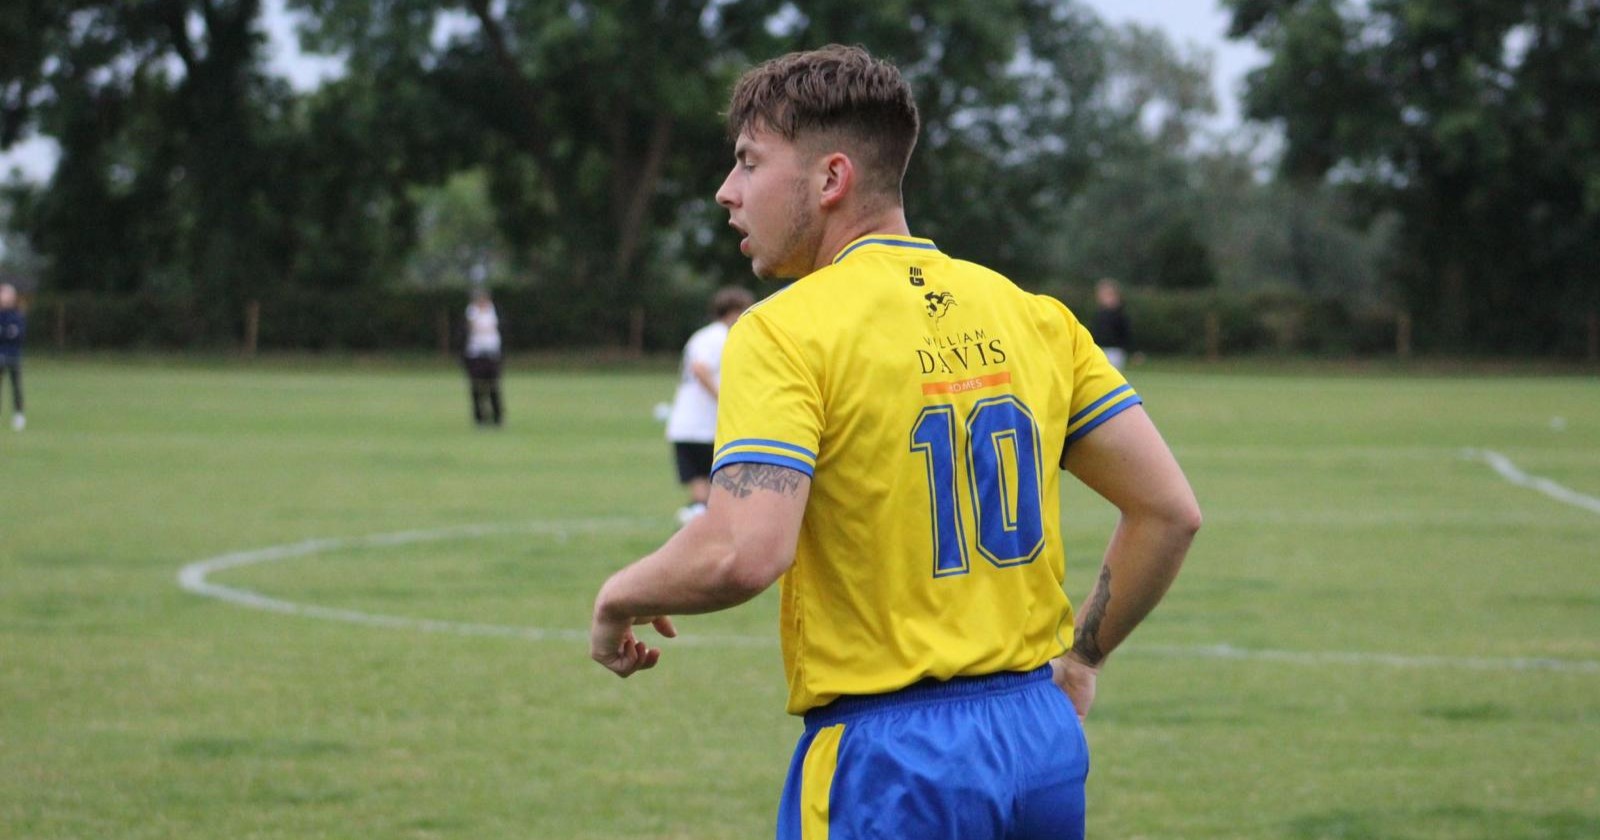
(193, 578)
(1509, 471)
(1393, 660)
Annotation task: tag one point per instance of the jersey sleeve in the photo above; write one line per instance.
(1099, 390)
(770, 411)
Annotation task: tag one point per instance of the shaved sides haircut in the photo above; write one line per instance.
(836, 98)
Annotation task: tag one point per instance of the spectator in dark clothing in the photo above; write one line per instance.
(13, 327)
(1111, 328)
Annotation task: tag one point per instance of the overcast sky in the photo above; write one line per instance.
(1196, 23)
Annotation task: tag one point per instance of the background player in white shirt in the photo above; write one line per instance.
(482, 356)
(692, 422)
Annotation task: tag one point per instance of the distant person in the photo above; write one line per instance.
(13, 328)
(482, 356)
(692, 421)
(1111, 328)
(890, 435)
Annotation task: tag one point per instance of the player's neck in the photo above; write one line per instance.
(889, 222)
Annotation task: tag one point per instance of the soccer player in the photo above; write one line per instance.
(13, 329)
(692, 422)
(1112, 330)
(482, 356)
(887, 443)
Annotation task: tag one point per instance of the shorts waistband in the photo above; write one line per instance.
(925, 691)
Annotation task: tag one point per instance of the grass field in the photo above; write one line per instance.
(1377, 635)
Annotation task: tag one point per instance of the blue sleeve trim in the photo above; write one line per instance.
(1097, 403)
(764, 458)
(775, 444)
(1111, 412)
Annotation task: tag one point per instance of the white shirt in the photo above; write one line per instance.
(483, 330)
(694, 410)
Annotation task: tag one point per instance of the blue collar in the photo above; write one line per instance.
(897, 241)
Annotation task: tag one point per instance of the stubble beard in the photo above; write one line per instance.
(795, 251)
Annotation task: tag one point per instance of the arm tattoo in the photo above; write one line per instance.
(743, 479)
(1086, 639)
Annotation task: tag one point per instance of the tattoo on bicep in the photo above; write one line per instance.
(1086, 638)
(743, 479)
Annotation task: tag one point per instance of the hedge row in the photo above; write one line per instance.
(319, 321)
(1208, 323)
(1165, 323)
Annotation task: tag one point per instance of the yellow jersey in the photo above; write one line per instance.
(930, 401)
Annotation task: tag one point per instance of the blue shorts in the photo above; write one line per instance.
(973, 758)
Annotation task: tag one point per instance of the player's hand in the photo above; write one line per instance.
(1076, 678)
(613, 644)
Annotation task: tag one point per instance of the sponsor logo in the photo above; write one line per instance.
(961, 359)
(939, 304)
(961, 386)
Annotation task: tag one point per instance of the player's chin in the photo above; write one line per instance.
(768, 270)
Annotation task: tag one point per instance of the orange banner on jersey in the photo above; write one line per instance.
(965, 385)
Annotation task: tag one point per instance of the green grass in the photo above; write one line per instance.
(1342, 518)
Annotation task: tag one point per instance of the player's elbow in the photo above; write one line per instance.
(1180, 515)
(1175, 515)
(748, 571)
(741, 576)
(1185, 518)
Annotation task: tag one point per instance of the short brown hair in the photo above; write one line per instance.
(839, 91)
(730, 299)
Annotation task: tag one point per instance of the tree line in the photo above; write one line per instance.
(1435, 159)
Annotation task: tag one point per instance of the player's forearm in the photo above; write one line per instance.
(698, 570)
(702, 374)
(1143, 559)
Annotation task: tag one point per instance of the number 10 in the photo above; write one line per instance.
(1003, 478)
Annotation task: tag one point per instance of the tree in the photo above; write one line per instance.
(159, 107)
(584, 113)
(1474, 123)
(355, 158)
(602, 141)
(186, 169)
(1139, 215)
(458, 241)
(1281, 234)
(17, 257)
(588, 131)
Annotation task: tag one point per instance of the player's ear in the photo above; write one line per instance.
(838, 174)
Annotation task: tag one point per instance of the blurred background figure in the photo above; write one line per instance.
(482, 356)
(1111, 328)
(692, 422)
(13, 328)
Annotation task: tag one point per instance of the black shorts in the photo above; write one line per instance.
(482, 367)
(694, 460)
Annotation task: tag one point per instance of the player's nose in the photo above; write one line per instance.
(726, 194)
